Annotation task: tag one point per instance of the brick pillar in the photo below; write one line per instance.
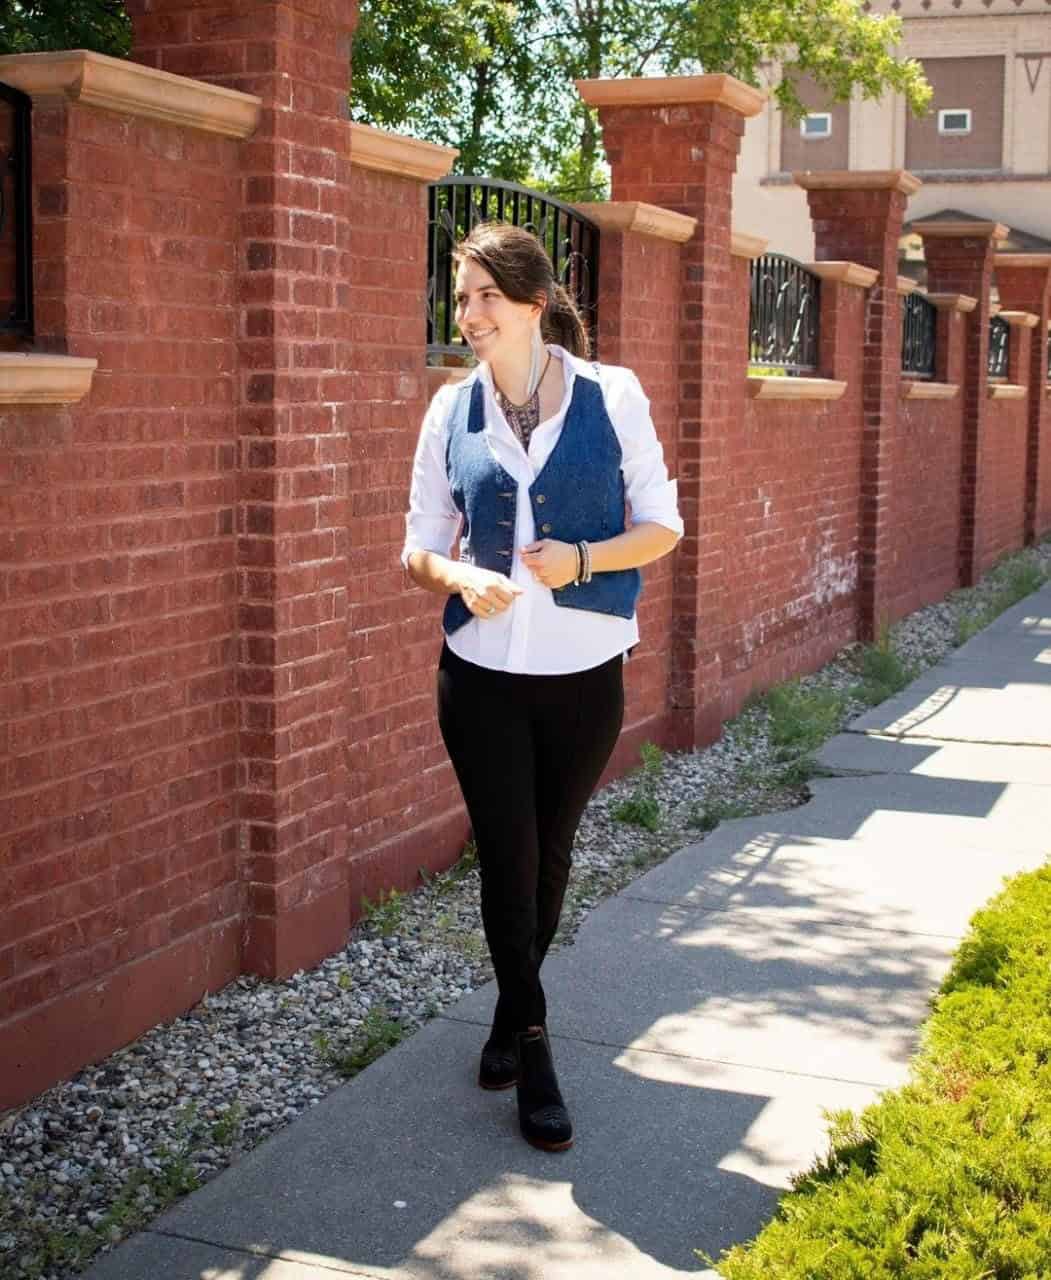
(294, 394)
(674, 143)
(959, 258)
(858, 218)
(640, 281)
(1024, 284)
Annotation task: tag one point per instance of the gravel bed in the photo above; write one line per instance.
(95, 1158)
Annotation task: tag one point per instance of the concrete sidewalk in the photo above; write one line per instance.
(701, 1021)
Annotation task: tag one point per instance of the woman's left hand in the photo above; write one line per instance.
(553, 564)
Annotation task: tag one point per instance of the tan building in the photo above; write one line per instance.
(983, 150)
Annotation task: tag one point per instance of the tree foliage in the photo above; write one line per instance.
(495, 78)
(37, 26)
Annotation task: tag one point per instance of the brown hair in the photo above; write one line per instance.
(519, 265)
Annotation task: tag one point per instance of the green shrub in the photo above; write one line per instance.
(1012, 580)
(384, 916)
(948, 1178)
(883, 674)
(641, 807)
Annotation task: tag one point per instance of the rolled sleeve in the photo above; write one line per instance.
(654, 498)
(432, 519)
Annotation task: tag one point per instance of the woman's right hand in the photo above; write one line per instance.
(486, 593)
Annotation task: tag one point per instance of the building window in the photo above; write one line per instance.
(954, 121)
(816, 125)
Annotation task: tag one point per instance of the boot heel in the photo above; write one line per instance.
(542, 1115)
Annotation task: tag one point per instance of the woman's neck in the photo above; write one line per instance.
(511, 374)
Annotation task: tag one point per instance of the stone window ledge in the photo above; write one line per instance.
(34, 378)
(765, 387)
(921, 389)
(1006, 391)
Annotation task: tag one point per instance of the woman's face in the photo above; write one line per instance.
(488, 319)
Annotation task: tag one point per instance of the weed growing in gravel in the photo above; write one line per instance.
(1012, 581)
(642, 808)
(883, 673)
(707, 816)
(465, 865)
(374, 1037)
(227, 1129)
(801, 717)
(384, 916)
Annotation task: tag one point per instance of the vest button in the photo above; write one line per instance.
(540, 498)
(545, 528)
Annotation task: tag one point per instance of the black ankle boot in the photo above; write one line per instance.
(542, 1115)
(498, 1068)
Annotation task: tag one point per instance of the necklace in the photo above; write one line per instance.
(523, 419)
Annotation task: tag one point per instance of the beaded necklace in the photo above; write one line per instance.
(523, 419)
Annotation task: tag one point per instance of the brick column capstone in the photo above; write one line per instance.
(1023, 281)
(295, 387)
(858, 218)
(959, 258)
(673, 143)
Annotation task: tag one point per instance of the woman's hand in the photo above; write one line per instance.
(553, 564)
(486, 593)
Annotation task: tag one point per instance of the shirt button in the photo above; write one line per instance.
(540, 498)
(545, 528)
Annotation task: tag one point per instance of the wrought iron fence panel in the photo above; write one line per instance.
(783, 326)
(999, 347)
(457, 204)
(16, 231)
(919, 322)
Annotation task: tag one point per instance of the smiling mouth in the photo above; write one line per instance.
(482, 333)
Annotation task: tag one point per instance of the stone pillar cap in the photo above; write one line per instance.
(1022, 260)
(1023, 319)
(844, 272)
(743, 245)
(636, 215)
(116, 84)
(959, 230)
(858, 180)
(952, 301)
(671, 91)
(372, 148)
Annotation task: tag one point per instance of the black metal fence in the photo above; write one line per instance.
(456, 204)
(783, 320)
(919, 321)
(16, 231)
(999, 347)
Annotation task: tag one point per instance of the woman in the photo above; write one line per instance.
(535, 453)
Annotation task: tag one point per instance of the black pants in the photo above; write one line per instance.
(528, 752)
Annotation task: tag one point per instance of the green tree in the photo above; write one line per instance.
(506, 97)
(36, 26)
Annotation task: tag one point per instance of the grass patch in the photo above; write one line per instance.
(378, 1033)
(641, 808)
(948, 1178)
(1012, 581)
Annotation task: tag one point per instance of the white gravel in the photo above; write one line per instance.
(93, 1159)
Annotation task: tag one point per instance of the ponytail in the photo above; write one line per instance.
(561, 323)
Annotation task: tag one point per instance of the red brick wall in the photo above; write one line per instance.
(924, 512)
(404, 807)
(791, 518)
(639, 295)
(118, 608)
(1003, 464)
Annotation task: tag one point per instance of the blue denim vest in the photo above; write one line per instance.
(579, 494)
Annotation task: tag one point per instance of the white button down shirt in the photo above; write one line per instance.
(536, 636)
